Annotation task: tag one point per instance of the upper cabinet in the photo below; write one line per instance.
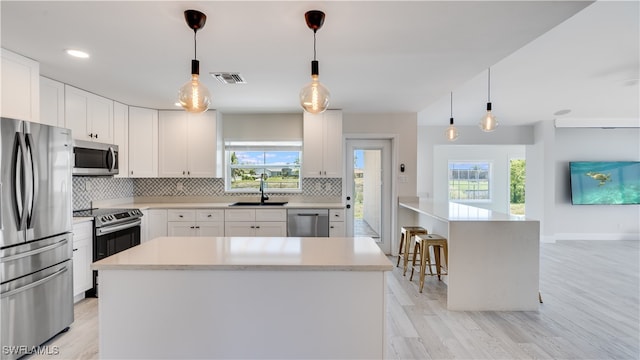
(89, 116)
(20, 78)
(322, 146)
(143, 142)
(187, 144)
(51, 102)
(121, 136)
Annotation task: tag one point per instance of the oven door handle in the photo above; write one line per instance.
(110, 229)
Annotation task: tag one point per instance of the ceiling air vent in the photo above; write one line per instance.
(229, 78)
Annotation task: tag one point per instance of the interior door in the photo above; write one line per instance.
(368, 190)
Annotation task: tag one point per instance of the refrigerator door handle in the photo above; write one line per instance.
(43, 249)
(35, 283)
(17, 179)
(33, 179)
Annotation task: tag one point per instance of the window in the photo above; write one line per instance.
(469, 181)
(247, 161)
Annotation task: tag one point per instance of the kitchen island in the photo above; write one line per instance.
(493, 257)
(243, 297)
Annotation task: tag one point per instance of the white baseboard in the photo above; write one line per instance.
(591, 236)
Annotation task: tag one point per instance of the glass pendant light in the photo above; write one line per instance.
(193, 95)
(488, 122)
(451, 133)
(314, 97)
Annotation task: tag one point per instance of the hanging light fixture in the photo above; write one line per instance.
(193, 95)
(314, 97)
(488, 122)
(451, 132)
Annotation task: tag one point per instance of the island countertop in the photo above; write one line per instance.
(250, 253)
(451, 211)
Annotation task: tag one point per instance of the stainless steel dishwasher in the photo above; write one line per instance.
(308, 222)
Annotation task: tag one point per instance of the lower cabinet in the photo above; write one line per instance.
(336, 223)
(256, 222)
(82, 257)
(156, 223)
(195, 222)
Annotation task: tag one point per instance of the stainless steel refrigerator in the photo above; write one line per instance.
(36, 286)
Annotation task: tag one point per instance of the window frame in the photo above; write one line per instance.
(231, 146)
(489, 180)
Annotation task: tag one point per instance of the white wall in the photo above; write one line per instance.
(547, 151)
(497, 155)
(433, 136)
(593, 221)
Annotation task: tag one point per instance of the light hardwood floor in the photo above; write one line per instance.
(590, 311)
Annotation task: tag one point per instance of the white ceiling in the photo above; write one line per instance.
(374, 56)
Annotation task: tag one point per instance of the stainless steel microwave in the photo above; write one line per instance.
(94, 159)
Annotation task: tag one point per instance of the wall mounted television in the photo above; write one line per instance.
(605, 182)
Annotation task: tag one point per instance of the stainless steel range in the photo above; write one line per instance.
(115, 230)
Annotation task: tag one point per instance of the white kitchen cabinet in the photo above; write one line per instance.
(20, 83)
(195, 222)
(255, 222)
(144, 226)
(82, 257)
(336, 223)
(143, 142)
(187, 144)
(51, 102)
(157, 223)
(121, 136)
(322, 144)
(89, 116)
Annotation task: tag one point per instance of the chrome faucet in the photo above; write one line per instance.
(263, 197)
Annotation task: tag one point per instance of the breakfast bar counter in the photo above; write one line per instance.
(243, 297)
(493, 257)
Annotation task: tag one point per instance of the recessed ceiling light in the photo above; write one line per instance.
(562, 112)
(77, 53)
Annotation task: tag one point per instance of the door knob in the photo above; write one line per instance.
(348, 206)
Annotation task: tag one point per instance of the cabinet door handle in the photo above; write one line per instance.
(131, 172)
(91, 135)
(209, 215)
(180, 216)
(188, 172)
(96, 136)
(197, 227)
(257, 227)
(192, 227)
(183, 173)
(253, 227)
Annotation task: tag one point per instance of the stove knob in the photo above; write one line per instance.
(110, 217)
(104, 218)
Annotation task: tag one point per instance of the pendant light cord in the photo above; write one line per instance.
(314, 45)
(489, 85)
(452, 104)
(195, 46)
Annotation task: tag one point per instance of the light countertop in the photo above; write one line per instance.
(221, 205)
(452, 211)
(250, 253)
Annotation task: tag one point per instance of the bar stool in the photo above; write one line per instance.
(422, 245)
(406, 233)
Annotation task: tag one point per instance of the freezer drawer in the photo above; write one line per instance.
(36, 307)
(27, 258)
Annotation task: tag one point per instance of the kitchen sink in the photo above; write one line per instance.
(258, 203)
